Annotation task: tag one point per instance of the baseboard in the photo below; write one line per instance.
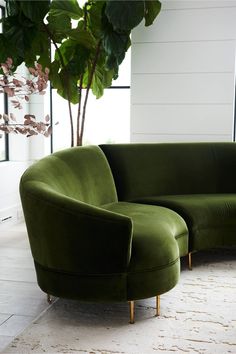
(11, 216)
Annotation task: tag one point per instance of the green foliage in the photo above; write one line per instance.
(107, 24)
(83, 37)
(88, 54)
(64, 79)
(20, 32)
(34, 10)
(23, 32)
(70, 82)
(94, 18)
(69, 8)
(102, 77)
(152, 9)
(7, 50)
(124, 15)
(58, 26)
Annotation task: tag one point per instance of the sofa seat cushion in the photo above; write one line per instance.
(211, 218)
(159, 235)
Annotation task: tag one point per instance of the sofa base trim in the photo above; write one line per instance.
(110, 288)
(69, 286)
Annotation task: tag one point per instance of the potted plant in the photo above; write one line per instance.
(89, 43)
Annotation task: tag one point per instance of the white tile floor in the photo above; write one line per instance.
(21, 300)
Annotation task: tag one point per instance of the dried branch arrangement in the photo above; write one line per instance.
(19, 88)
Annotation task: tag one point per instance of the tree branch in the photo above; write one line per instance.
(81, 86)
(87, 91)
(66, 81)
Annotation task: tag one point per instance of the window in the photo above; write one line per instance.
(107, 119)
(3, 109)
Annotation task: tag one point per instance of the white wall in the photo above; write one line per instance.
(10, 173)
(182, 73)
(22, 152)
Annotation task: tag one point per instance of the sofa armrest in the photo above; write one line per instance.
(72, 236)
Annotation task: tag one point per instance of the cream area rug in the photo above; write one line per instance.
(197, 316)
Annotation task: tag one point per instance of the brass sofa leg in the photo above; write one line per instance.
(131, 311)
(49, 299)
(158, 299)
(190, 261)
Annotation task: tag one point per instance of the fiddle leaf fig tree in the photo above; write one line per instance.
(89, 43)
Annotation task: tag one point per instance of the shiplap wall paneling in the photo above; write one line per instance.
(190, 24)
(182, 74)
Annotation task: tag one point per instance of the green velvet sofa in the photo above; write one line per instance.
(110, 223)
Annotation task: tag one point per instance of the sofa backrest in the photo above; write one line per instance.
(81, 173)
(175, 168)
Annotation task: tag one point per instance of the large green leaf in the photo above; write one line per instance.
(68, 87)
(82, 37)
(7, 50)
(112, 64)
(66, 7)
(108, 76)
(12, 7)
(59, 26)
(75, 59)
(54, 73)
(77, 65)
(152, 9)
(116, 43)
(94, 20)
(97, 83)
(44, 61)
(39, 51)
(124, 15)
(66, 49)
(102, 77)
(34, 10)
(3, 49)
(62, 80)
(73, 54)
(20, 32)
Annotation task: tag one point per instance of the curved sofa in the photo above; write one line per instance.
(110, 223)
